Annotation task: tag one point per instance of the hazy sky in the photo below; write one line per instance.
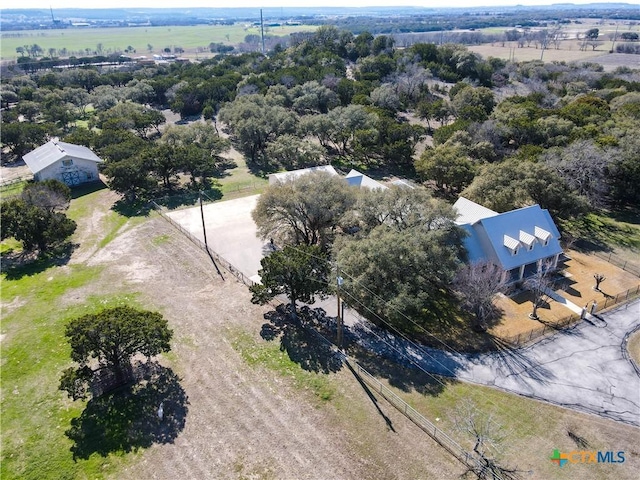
(281, 3)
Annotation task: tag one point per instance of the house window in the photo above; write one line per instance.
(67, 162)
(531, 247)
(546, 242)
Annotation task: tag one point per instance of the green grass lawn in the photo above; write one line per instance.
(12, 189)
(240, 181)
(616, 231)
(37, 303)
(35, 414)
(118, 39)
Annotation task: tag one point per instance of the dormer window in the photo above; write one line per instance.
(527, 239)
(542, 235)
(512, 244)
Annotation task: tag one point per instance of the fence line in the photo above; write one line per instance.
(550, 327)
(444, 440)
(11, 181)
(469, 459)
(611, 300)
(535, 333)
(199, 243)
(619, 262)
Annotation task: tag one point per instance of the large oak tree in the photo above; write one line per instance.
(107, 341)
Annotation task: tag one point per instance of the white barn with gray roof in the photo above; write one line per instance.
(66, 162)
(520, 242)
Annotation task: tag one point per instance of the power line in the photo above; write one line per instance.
(419, 347)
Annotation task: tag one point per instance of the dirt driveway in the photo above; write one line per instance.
(247, 421)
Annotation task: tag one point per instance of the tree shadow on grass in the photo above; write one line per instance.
(302, 344)
(404, 376)
(21, 264)
(136, 208)
(87, 188)
(128, 419)
(181, 198)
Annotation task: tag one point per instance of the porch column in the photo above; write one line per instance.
(555, 260)
(521, 272)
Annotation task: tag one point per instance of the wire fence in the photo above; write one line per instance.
(551, 327)
(5, 182)
(611, 300)
(469, 459)
(543, 330)
(199, 243)
(619, 262)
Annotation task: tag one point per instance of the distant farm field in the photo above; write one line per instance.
(191, 38)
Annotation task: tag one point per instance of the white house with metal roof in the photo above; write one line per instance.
(353, 178)
(293, 174)
(360, 180)
(520, 242)
(69, 163)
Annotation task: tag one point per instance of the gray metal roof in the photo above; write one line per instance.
(54, 151)
(293, 174)
(470, 212)
(357, 179)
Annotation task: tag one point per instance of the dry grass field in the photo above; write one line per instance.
(633, 346)
(264, 400)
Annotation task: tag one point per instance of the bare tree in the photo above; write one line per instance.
(540, 285)
(476, 285)
(488, 438)
(599, 279)
(583, 165)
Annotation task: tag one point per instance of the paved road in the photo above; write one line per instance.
(581, 368)
(230, 230)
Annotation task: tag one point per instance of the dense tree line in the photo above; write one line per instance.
(503, 134)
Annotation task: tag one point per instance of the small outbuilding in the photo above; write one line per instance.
(66, 162)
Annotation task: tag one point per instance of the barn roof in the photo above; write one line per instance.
(54, 151)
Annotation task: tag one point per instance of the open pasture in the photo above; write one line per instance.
(193, 39)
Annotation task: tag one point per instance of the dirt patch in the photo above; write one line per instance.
(576, 286)
(243, 421)
(13, 171)
(93, 227)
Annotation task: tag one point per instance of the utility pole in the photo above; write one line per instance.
(204, 230)
(339, 282)
(262, 31)
(615, 37)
